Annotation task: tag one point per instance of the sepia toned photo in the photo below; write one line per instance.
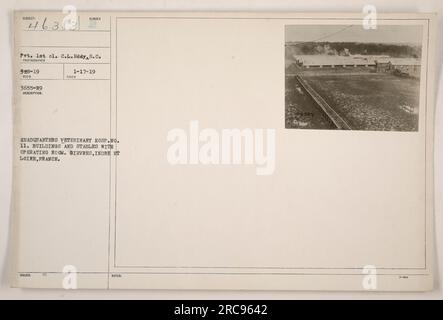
(349, 78)
(148, 151)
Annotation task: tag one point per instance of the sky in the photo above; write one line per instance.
(354, 33)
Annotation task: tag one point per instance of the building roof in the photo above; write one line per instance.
(319, 59)
(310, 60)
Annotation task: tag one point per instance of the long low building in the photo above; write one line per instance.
(319, 61)
(382, 63)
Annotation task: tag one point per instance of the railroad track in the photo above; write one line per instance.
(335, 118)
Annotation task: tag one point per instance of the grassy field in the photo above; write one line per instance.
(377, 101)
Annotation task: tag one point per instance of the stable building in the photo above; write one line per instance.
(403, 66)
(331, 61)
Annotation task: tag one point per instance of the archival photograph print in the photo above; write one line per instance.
(345, 77)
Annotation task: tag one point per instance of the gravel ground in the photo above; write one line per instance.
(378, 102)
